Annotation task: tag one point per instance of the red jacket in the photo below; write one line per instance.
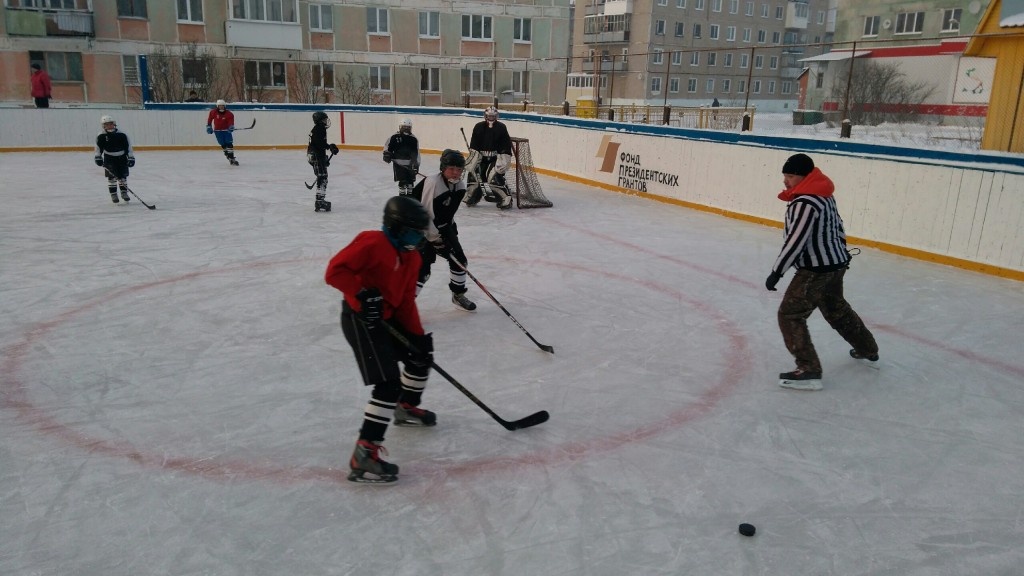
(220, 120)
(372, 261)
(40, 84)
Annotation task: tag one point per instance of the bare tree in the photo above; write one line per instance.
(352, 89)
(175, 71)
(879, 92)
(309, 81)
(247, 87)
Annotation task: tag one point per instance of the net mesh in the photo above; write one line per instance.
(523, 180)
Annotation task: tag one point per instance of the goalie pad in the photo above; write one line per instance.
(502, 164)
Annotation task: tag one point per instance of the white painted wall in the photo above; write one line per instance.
(968, 207)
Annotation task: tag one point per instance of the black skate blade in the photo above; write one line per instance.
(360, 477)
(531, 420)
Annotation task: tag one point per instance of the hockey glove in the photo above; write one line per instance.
(387, 156)
(333, 148)
(371, 306)
(131, 161)
(209, 129)
(772, 280)
(231, 128)
(98, 160)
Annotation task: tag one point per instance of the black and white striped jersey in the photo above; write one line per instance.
(815, 238)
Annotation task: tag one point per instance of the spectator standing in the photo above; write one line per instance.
(41, 88)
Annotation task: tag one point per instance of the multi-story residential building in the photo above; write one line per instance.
(899, 22)
(427, 52)
(691, 52)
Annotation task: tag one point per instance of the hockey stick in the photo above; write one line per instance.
(531, 420)
(310, 186)
(251, 126)
(141, 201)
(543, 347)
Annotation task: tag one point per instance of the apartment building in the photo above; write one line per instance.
(691, 52)
(900, 22)
(423, 52)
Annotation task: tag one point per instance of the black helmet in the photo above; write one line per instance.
(320, 117)
(452, 158)
(405, 219)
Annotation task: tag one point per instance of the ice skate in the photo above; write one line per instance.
(114, 198)
(233, 161)
(462, 302)
(800, 380)
(124, 195)
(859, 356)
(413, 416)
(321, 204)
(367, 467)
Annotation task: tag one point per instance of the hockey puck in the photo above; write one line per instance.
(747, 529)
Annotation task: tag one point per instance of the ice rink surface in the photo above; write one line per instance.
(178, 399)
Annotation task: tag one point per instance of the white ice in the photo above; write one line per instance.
(178, 399)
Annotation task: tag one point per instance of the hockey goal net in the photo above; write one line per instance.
(523, 182)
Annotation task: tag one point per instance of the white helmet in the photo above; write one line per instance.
(221, 103)
(405, 123)
(105, 119)
(491, 114)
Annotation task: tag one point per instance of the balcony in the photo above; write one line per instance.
(606, 37)
(606, 28)
(39, 22)
(605, 66)
(797, 15)
(263, 34)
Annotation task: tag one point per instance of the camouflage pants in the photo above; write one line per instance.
(822, 291)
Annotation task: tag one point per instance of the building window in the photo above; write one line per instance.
(691, 85)
(193, 72)
(734, 6)
(673, 85)
(380, 78)
(951, 20)
(776, 36)
(741, 86)
(321, 18)
(821, 16)
(658, 56)
(726, 85)
(477, 81)
(377, 21)
(131, 8)
(716, 5)
(762, 36)
(190, 10)
(746, 34)
(787, 87)
(679, 29)
(430, 78)
(714, 32)
(266, 10)
(677, 58)
(780, 11)
(659, 28)
(750, 9)
(730, 34)
(696, 30)
(61, 66)
(744, 60)
(709, 86)
(695, 59)
(430, 24)
(758, 62)
(698, 4)
(521, 81)
(656, 85)
(680, 3)
(662, 2)
(322, 75)
(802, 11)
(712, 58)
(871, 26)
(476, 27)
(909, 23)
(771, 86)
(756, 87)
(727, 61)
(267, 74)
(522, 30)
(130, 70)
(773, 62)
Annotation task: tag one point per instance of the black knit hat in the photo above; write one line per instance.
(798, 165)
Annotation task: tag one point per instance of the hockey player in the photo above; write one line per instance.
(441, 195)
(490, 155)
(815, 244)
(316, 155)
(402, 151)
(221, 123)
(376, 273)
(115, 155)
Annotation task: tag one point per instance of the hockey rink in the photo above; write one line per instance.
(178, 398)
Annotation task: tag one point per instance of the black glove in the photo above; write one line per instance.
(371, 306)
(333, 148)
(772, 280)
(421, 350)
(387, 156)
(99, 161)
(131, 161)
(327, 161)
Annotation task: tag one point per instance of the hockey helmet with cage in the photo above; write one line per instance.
(405, 221)
(107, 119)
(405, 126)
(490, 114)
(321, 117)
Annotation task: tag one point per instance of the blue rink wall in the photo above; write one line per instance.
(954, 208)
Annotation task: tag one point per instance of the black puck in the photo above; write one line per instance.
(747, 529)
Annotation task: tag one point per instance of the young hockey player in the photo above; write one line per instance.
(376, 273)
(441, 195)
(490, 155)
(221, 123)
(815, 244)
(402, 151)
(115, 155)
(316, 155)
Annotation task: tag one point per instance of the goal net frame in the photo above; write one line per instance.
(526, 186)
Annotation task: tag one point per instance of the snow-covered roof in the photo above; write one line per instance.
(1011, 14)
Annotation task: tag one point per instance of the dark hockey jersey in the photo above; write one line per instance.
(114, 143)
(491, 138)
(403, 147)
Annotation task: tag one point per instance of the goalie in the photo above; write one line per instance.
(490, 155)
